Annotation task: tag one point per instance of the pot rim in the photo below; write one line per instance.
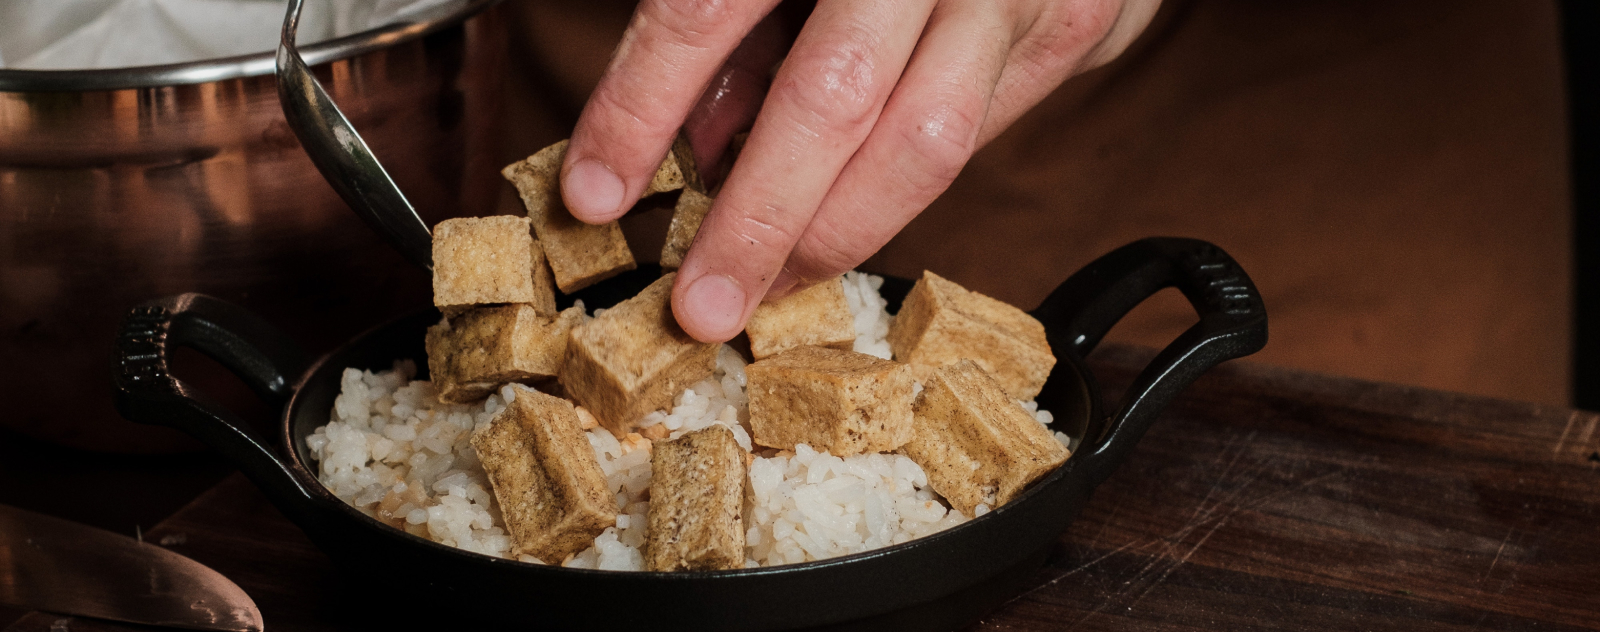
(239, 66)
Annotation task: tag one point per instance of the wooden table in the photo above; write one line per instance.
(1264, 499)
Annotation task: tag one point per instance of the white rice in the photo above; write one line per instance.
(814, 506)
(394, 451)
(871, 313)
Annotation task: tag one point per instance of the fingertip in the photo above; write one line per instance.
(711, 308)
(593, 192)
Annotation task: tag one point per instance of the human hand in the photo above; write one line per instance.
(876, 108)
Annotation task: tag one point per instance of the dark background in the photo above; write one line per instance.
(1579, 32)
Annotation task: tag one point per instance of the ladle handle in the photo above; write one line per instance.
(260, 355)
(1233, 323)
(338, 151)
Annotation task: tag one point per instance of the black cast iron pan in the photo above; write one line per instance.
(938, 582)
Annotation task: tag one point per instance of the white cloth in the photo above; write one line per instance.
(78, 34)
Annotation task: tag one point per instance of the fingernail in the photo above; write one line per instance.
(781, 285)
(592, 191)
(712, 308)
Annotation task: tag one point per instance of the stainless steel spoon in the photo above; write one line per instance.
(340, 154)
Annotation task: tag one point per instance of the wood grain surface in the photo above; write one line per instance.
(1264, 499)
(1279, 500)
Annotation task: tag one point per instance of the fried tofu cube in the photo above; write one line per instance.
(696, 503)
(633, 359)
(551, 492)
(943, 323)
(817, 315)
(473, 353)
(687, 216)
(586, 420)
(677, 171)
(840, 401)
(976, 444)
(544, 282)
(656, 432)
(487, 261)
(580, 254)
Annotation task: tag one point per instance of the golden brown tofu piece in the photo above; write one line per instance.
(817, 315)
(580, 254)
(544, 282)
(586, 420)
(656, 432)
(471, 354)
(943, 323)
(687, 216)
(677, 171)
(840, 401)
(976, 444)
(486, 261)
(696, 503)
(552, 494)
(633, 359)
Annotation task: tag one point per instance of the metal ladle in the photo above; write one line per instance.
(340, 154)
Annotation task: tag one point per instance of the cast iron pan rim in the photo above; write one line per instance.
(326, 497)
(1232, 323)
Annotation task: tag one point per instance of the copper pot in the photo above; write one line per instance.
(117, 185)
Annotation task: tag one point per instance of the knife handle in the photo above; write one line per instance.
(255, 351)
(1233, 324)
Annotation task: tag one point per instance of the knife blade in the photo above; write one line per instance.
(61, 566)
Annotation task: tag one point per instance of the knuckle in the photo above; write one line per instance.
(766, 226)
(756, 243)
(942, 140)
(823, 252)
(693, 19)
(835, 81)
(1064, 34)
(637, 111)
(750, 240)
(625, 130)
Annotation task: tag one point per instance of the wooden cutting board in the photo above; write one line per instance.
(1264, 499)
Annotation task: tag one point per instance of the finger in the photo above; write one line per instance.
(928, 131)
(823, 103)
(730, 104)
(667, 56)
(1067, 39)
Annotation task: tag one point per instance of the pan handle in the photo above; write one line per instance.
(255, 351)
(1233, 324)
